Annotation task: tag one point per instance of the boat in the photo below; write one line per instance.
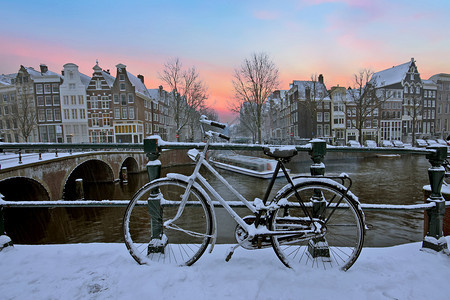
(388, 155)
(247, 165)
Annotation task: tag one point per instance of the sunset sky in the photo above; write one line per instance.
(336, 38)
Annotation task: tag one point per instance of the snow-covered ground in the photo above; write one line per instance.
(107, 271)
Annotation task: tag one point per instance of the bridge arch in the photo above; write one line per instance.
(25, 225)
(131, 164)
(23, 189)
(91, 171)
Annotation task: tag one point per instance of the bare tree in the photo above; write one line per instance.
(23, 114)
(189, 92)
(414, 110)
(253, 83)
(366, 98)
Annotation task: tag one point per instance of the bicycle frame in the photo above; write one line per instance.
(251, 229)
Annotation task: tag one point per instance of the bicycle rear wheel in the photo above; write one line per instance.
(339, 214)
(147, 237)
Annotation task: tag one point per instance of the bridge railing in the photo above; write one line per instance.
(435, 204)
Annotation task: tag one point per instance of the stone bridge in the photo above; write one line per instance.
(53, 177)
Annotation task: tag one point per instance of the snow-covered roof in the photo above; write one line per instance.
(109, 78)
(138, 84)
(38, 75)
(390, 76)
(85, 79)
(301, 86)
(6, 79)
(154, 93)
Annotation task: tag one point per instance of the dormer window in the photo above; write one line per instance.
(121, 77)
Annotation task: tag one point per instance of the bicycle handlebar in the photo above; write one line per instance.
(213, 133)
(204, 120)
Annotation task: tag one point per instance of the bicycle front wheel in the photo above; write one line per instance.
(339, 216)
(148, 236)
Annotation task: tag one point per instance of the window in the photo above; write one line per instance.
(49, 113)
(6, 108)
(57, 114)
(48, 101)
(116, 113)
(121, 77)
(82, 114)
(74, 114)
(131, 112)
(319, 119)
(66, 100)
(41, 115)
(116, 99)
(130, 98)
(39, 89)
(73, 100)
(55, 88)
(56, 100)
(106, 120)
(80, 99)
(123, 99)
(124, 112)
(98, 84)
(319, 130)
(94, 102)
(105, 102)
(326, 116)
(66, 114)
(71, 86)
(95, 120)
(122, 86)
(47, 88)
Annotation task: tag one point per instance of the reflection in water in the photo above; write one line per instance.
(375, 180)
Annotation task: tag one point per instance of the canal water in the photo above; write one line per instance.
(375, 180)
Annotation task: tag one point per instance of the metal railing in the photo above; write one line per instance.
(434, 206)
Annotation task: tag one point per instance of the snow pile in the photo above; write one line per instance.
(107, 271)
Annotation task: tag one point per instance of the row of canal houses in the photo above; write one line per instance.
(71, 107)
(408, 100)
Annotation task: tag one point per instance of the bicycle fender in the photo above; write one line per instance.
(198, 187)
(329, 181)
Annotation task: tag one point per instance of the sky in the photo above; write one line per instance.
(336, 38)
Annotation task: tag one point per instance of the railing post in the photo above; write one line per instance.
(154, 207)
(317, 153)
(318, 247)
(434, 238)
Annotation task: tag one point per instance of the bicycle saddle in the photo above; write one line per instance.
(280, 152)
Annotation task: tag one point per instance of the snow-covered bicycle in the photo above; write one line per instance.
(311, 221)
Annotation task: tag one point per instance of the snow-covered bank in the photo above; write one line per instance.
(107, 271)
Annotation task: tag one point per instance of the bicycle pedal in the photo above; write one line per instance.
(230, 253)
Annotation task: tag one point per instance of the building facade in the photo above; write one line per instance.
(74, 105)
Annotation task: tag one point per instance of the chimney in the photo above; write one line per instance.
(62, 72)
(141, 77)
(321, 78)
(44, 68)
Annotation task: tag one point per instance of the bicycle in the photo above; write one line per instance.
(312, 220)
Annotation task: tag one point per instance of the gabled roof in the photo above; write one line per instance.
(37, 74)
(390, 76)
(85, 79)
(154, 93)
(109, 78)
(302, 85)
(138, 84)
(6, 79)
